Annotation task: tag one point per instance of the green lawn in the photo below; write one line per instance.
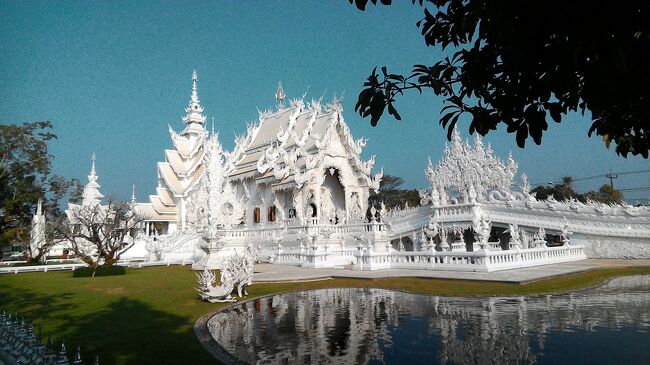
(147, 315)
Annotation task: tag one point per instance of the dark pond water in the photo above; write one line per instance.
(608, 325)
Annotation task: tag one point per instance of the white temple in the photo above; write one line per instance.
(298, 165)
(296, 188)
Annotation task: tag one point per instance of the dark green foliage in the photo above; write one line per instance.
(85, 272)
(606, 194)
(24, 166)
(25, 178)
(392, 195)
(560, 192)
(565, 191)
(526, 63)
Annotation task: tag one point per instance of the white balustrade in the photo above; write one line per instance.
(469, 261)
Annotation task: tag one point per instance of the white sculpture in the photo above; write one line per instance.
(482, 229)
(212, 292)
(236, 274)
(565, 233)
(444, 245)
(539, 238)
(515, 237)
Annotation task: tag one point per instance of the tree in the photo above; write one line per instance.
(606, 194)
(25, 178)
(392, 196)
(100, 234)
(565, 191)
(524, 63)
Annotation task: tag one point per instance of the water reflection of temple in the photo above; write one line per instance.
(352, 326)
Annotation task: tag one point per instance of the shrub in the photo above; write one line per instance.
(85, 272)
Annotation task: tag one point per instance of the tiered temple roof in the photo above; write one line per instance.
(183, 166)
(290, 140)
(279, 149)
(91, 194)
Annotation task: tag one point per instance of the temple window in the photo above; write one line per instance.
(314, 212)
(292, 213)
(256, 215)
(271, 214)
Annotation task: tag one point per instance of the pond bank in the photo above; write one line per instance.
(267, 273)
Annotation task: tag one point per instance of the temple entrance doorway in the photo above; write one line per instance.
(332, 197)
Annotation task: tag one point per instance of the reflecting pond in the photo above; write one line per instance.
(607, 325)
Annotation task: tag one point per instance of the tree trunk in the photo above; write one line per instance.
(108, 261)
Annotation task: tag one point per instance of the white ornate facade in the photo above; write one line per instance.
(298, 165)
(296, 188)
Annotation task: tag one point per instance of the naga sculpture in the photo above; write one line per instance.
(236, 273)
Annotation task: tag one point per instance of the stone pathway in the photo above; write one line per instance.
(281, 273)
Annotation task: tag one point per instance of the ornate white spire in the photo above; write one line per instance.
(93, 174)
(91, 194)
(280, 95)
(194, 109)
(37, 234)
(133, 200)
(195, 79)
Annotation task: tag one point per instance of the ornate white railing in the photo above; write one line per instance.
(318, 258)
(468, 261)
(267, 233)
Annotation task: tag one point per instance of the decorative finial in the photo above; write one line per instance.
(92, 168)
(213, 125)
(77, 357)
(195, 79)
(194, 109)
(39, 207)
(280, 95)
(133, 193)
(63, 357)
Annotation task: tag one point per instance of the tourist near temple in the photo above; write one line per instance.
(295, 191)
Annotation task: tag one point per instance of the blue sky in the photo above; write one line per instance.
(112, 75)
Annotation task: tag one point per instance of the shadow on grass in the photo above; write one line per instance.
(124, 331)
(131, 332)
(34, 306)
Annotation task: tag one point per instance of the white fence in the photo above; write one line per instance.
(73, 265)
(40, 268)
(481, 261)
(321, 258)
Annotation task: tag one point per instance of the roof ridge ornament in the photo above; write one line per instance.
(93, 172)
(91, 194)
(280, 95)
(194, 109)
